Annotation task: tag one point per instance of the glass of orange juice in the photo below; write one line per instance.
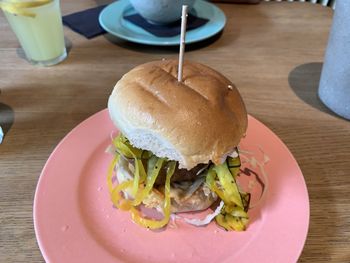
(38, 27)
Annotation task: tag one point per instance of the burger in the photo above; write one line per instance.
(176, 150)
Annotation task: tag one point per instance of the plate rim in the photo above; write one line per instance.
(162, 41)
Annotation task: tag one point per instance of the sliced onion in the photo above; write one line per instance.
(193, 187)
(234, 154)
(110, 149)
(202, 169)
(207, 219)
(172, 221)
(255, 163)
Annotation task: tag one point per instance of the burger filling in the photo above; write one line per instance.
(157, 180)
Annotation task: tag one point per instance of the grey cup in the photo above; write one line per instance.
(334, 88)
(161, 11)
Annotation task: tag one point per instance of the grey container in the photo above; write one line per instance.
(334, 88)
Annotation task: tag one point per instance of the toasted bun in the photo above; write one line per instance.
(198, 120)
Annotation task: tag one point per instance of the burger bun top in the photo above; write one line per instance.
(198, 120)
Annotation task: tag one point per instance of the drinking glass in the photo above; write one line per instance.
(38, 27)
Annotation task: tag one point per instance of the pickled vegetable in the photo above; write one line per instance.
(221, 179)
(154, 224)
(233, 215)
(142, 182)
(229, 185)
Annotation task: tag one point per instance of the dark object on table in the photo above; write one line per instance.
(85, 22)
(168, 30)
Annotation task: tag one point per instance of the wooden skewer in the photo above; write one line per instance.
(182, 41)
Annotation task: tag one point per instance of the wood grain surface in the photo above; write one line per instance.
(273, 52)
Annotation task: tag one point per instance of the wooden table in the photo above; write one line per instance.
(272, 52)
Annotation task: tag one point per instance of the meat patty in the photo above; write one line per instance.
(180, 174)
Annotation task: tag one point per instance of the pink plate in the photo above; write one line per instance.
(76, 222)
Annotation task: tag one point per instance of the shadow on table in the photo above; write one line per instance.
(150, 49)
(304, 81)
